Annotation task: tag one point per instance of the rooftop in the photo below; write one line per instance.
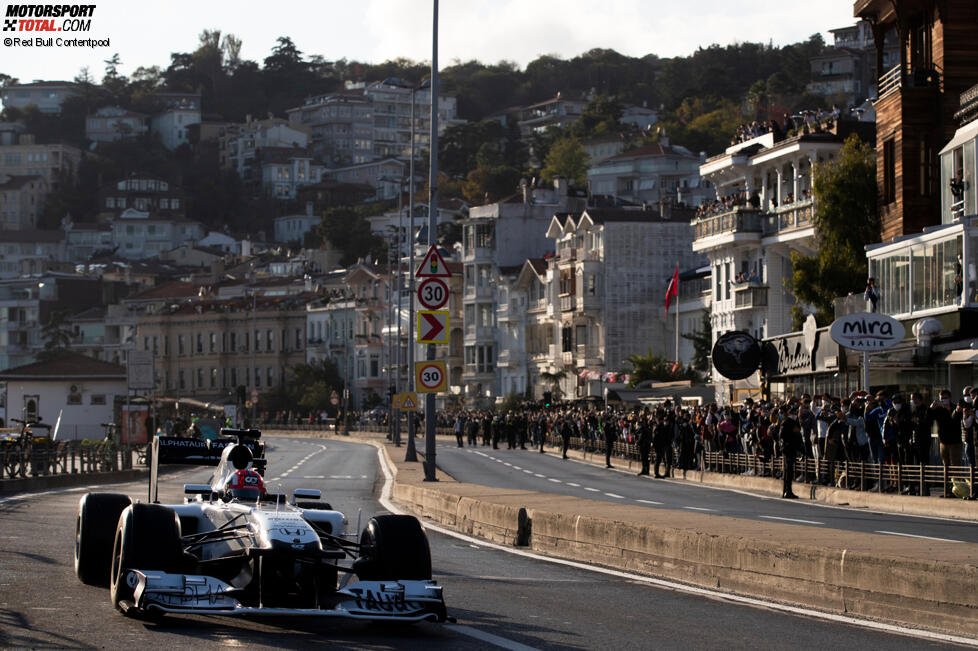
(68, 366)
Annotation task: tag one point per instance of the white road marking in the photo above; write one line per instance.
(774, 517)
(517, 468)
(698, 508)
(807, 611)
(556, 481)
(593, 490)
(910, 535)
(648, 502)
(536, 474)
(529, 472)
(315, 477)
(617, 497)
(489, 638)
(507, 463)
(570, 483)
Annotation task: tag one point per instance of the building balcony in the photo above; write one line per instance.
(749, 296)
(567, 303)
(478, 254)
(509, 359)
(566, 254)
(589, 356)
(588, 303)
(725, 227)
(793, 217)
(21, 325)
(476, 292)
(897, 78)
(479, 333)
(567, 357)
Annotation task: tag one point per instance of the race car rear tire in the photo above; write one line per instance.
(146, 538)
(393, 547)
(98, 515)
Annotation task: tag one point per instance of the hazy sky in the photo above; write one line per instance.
(373, 31)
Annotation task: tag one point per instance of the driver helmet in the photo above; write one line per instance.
(245, 485)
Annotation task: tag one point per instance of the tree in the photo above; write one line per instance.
(56, 334)
(566, 159)
(485, 185)
(702, 343)
(554, 379)
(846, 220)
(657, 368)
(349, 232)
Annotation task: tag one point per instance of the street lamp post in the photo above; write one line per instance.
(429, 403)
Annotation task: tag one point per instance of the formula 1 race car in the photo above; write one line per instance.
(232, 548)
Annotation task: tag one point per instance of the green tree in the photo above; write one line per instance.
(350, 232)
(846, 220)
(489, 184)
(554, 378)
(657, 368)
(566, 159)
(56, 334)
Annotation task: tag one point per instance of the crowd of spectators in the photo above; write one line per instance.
(808, 121)
(882, 429)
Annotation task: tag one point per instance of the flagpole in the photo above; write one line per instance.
(677, 313)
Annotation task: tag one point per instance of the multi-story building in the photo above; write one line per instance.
(53, 163)
(47, 96)
(847, 69)
(207, 346)
(145, 194)
(498, 236)
(557, 111)
(649, 174)
(28, 252)
(21, 201)
(111, 123)
(371, 121)
(386, 177)
(284, 170)
(330, 335)
(695, 295)
(138, 234)
(611, 271)
(241, 143)
(529, 319)
(173, 122)
(764, 212)
(370, 288)
(82, 240)
(918, 95)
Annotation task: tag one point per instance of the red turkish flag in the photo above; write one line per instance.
(673, 289)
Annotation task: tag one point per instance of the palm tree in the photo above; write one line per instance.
(554, 379)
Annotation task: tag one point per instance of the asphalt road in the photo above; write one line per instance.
(532, 471)
(500, 599)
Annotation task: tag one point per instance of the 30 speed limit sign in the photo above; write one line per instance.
(432, 293)
(430, 377)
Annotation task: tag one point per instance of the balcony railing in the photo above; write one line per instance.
(788, 218)
(739, 220)
(913, 77)
(567, 303)
(748, 297)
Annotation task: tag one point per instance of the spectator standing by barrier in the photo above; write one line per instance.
(948, 428)
(662, 440)
(645, 443)
(791, 444)
(609, 430)
(565, 434)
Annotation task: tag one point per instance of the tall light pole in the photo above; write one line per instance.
(429, 402)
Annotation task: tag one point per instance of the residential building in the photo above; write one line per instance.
(53, 163)
(101, 333)
(173, 123)
(846, 71)
(293, 228)
(137, 234)
(78, 391)
(21, 201)
(112, 123)
(640, 117)
(763, 212)
(386, 177)
(146, 194)
(284, 170)
(28, 252)
(695, 296)
(82, 241)
(601, 148)
(370, 287)
(26, 305)
(241, 143)
(512, 324)
(341, 126)
(499, 236)
(207, 346)
(649, 174)
(558, 111)
(528, 319)
(330, 327)
(47, 96)
(918, 96)
(611, 271)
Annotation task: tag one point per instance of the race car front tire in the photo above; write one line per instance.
(393, 547)
(146, 538)
(98, 515)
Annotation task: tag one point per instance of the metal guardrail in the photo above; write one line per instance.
(37, 456)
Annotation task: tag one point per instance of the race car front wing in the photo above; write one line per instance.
(401, 601)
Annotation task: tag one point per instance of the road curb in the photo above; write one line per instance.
(29, 484)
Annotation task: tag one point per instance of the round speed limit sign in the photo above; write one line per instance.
(432, 293)
(431, 377)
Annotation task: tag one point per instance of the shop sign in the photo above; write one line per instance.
(867, 331)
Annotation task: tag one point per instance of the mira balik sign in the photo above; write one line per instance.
(867, 331)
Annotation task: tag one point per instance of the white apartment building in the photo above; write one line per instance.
(330, 331)
(111, 123)
(341, 126)
(283, 171)
(768, 214)
(173, 123)
(47, 96)
(611, 272)
(496, 237)
(139, 234)
(50, 162)
(21, 201)
(27, 252)
(242, 142)
(651, 173)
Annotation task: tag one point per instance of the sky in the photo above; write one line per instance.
(373, 31)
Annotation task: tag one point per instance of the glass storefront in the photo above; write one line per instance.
(922, 276)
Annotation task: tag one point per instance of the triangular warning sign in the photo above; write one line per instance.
(408, 403)
(433, 265)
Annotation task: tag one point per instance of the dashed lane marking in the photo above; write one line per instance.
(570, 483)
(593, 490)
(774, 517)
(698, 508)
(617, 497)
(910, 535)
(556, 481)
(649, 502)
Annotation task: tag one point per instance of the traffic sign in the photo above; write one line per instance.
(432, 327)
(409, 402)
(396, 400)
(431, 377)
(433, 265)
(432, 293)
(254, 395)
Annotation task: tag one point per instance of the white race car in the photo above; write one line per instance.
(233, 549)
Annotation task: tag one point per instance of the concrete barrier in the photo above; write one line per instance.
(65, 480)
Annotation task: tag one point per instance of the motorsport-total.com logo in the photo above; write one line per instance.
(34, 20)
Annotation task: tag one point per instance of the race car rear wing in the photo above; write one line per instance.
(201, 452)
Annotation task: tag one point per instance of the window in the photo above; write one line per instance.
(258, 341)
(213, 378)
(74, 398)
(181, 346)
(270, 377)
(566, 339)
(257, 377)
(298, 338)
(234, 377)
(200, 343)
(213, 342)
(270, 340)
(233, 342)
(200, 379)
(98, 399)
(182, 382)
(889, 171)
(374, 366)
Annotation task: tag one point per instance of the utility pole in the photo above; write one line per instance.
(429, 402)
(411, 453)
